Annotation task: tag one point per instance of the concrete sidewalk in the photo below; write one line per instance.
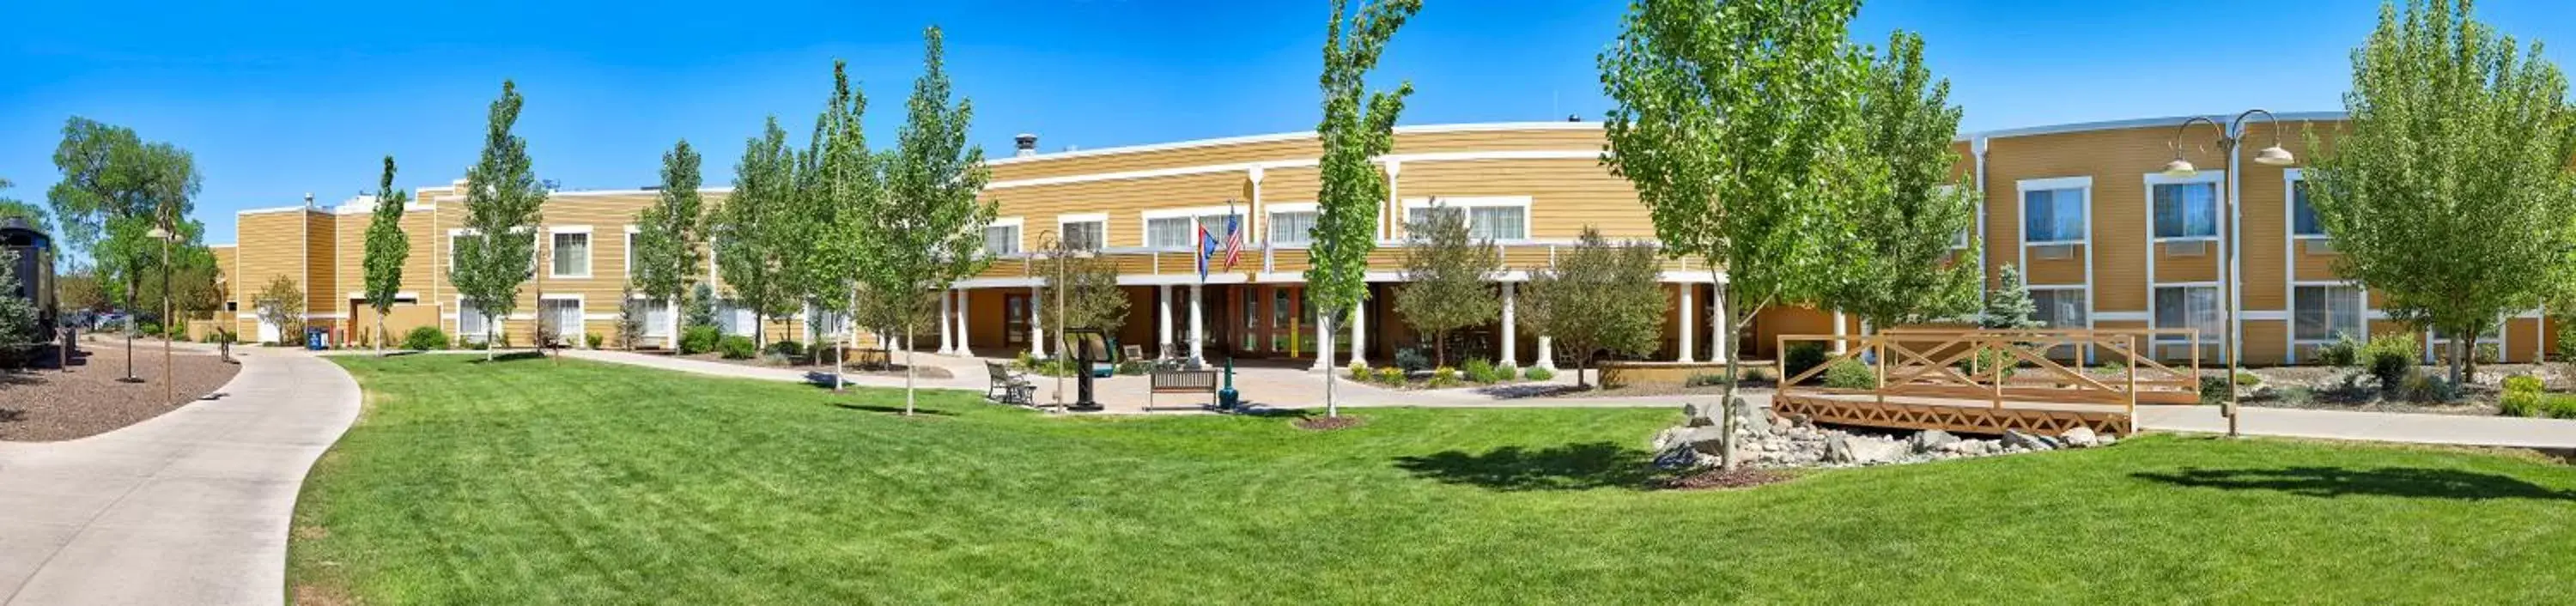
(967, 374)
(2370, 426)
(191, 507)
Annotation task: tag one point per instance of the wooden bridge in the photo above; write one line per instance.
(1990, 381)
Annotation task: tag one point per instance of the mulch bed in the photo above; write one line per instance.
(1721, 479)
(48, 404)
(1329, 423)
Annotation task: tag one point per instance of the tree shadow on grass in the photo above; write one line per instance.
(2329, 482)
(1513, 468)
(892, 410)
(514, 356)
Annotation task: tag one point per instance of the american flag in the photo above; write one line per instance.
(1231, 245)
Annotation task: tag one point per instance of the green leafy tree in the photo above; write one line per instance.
(1448, 277)
(19, 330)
(1904, 265)
(2009, 305)
(667, 256)
(387, 248)
(1091, 296)
(755, 228)
(33, 214)
(1358, 126)
(1738, 121)
(503, 204)
(1598, 297)
(630, 317)
(2448, 191)
(280, 304)
(115, 189)
(842, 181)
(927, 231)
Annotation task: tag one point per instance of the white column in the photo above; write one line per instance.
(1719, 346)
(1359, 333)
(1324, 343)
(1511, 333)
(1037, 330)
(1198, 324)
(1547, 352)
(947, 340)
(962, 348)
(1163, 320)
(1840, 332)
(1688, 331)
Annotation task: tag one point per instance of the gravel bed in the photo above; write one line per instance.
(48, 404)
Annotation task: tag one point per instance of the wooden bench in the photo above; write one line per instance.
(1181, 381)
(1007, 386)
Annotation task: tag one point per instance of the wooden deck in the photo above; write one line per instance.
(1951, 414)
(1990, 381)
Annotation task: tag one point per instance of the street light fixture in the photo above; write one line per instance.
(2230, 137)
(169, 369)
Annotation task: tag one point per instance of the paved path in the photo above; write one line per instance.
(967, 373)
(2372, 426)
(191, 507)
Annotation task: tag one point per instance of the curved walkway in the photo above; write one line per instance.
(191, 507)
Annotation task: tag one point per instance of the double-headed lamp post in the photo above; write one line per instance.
(2231, 136)
(169, 371)
(1053, 245)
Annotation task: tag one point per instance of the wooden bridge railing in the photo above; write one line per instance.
(1962, 364)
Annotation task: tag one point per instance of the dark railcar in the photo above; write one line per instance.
(34, 268)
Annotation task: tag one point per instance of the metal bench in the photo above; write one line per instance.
(1181, 381)
(1008, 386)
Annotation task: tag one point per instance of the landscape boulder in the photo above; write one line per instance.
(2080, 437)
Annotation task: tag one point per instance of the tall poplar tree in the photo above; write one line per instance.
(927, 231)
(845, 183)
(1358, 126)
(752, 231)
(503, 204)
(1905, 264)
(667, 258)
(387, 248)
(2448, 192)
(1738, 123)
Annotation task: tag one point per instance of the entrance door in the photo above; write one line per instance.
(267, 331)
(1015, 320)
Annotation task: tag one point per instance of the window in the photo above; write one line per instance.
(1002, 240)
(657, 317)
(1182, 231)
(1296, 227)
(823, 325)
(734, 319)
(2192, 307)
(470, 322)
(2053, 215)
(2303, 218)
(2186, 210)
(1415, 214)
(630, 254)
(1960, 240)
(2059, 307)
(2325, 313)
(564, 317)
(1015, 320)
(1505, 219)
(1085, 235)
(572, 255)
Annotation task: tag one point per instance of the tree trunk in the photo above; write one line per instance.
(907, 374)
(491, 336)
(1726, 396)
(2461, 363)
(380, 333)
(1439, 350)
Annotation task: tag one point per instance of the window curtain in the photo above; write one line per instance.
(2187, 210)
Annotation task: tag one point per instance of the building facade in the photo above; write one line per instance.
(2105, 240)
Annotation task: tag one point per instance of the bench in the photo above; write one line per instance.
(1008, 387)
(1181, 381)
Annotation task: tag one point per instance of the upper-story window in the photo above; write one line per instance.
(630, 252)
(1002, 238)
(1502, 218)
(2053, 215)
(1179, 229)
(2303, 218)
(2186, 210)
(571, 254)
(1085, 233)
(1292, 224)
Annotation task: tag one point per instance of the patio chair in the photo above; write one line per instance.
(1008, 386)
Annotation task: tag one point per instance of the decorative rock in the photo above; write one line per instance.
(1676, 458)
(2016, 439)
(1838, 449)
(2107, 441)
(1933, 439)
(2080, 437)
(1868, 451)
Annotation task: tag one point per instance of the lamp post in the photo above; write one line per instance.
(1053, 245)
(2231, 136)
(169, 371)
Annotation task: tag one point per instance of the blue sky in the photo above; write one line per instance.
(294, 97)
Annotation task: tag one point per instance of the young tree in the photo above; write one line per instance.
(1092, 298)
(503, 202)
(2448, 191)
(1597, 297)
(700, 308)
(927, 231)
(630, 317)
(2009, 305)
(1358, 126)
(756, 226)
(280, 304)
(387, 247)
(1448, 277)
(1738, 123)
(667, 236)
(842, 181)
(1903, 265)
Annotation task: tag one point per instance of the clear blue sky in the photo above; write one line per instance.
(297, 96)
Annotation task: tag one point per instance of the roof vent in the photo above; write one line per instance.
(1028, 145)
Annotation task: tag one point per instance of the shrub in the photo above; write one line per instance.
(2518, 403)
(1758, 374)
(425, 338)
(1360, 371)
(2426, 388)
(1506, 373)
(824, 353)
(2524, 383)
(787, 348)
(148, 329)
(1024, 361)
(700, 339)
(1986, 361)
(1391, 375)
(2214, 390)
(2345, 351)
(1412, 359)
(2390, 357)
(1803, 356)
(226, 336)
(1851, 374)
(736, 347)
(1708, 380)
(2247, 379)
(1537, 373)
(592, 340)
(1444, 377)
(1479, 371)
(2298, 397)
(2558, 406)
(1134, 367)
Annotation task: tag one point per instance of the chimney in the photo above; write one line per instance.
(1574, 117)
(308, 200)
(1028, 145)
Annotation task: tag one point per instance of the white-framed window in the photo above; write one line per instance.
(629, 270)
(2185, 210)
(563, 314)
(1502, 218)
(2060, 307)
(823, 325)
(470, 321)
(1178, 229)
(2325, 312)
(2303, 217)
(2055, 215)
(657, 317)
(1084, 232)
(1002, 238)
(571, 253)
(1292, 224)
(734, 319)
(2193, 306)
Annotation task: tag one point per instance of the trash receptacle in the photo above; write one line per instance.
(317, 339)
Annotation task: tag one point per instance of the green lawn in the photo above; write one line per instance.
(531, 481)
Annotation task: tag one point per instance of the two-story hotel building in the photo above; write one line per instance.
(2104, 239)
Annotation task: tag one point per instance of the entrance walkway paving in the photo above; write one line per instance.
(192, 507)
(2370, 426)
